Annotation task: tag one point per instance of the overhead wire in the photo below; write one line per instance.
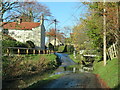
(73, 14)
(70, 17)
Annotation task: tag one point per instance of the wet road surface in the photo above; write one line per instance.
(72, 79)
(75, 80)
(64, 59)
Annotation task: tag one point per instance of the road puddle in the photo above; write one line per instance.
(63, 72)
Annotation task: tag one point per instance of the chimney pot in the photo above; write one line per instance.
(19, 20)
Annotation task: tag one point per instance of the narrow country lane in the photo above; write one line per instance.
(75, 80)
(64, 59)
(72, 79)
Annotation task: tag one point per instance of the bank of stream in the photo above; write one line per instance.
(23, 71)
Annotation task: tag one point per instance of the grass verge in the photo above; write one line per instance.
(76, 60)
(108, 73)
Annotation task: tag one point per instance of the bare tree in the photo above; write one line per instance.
(6, 8)
(33, 10)
(11, 9)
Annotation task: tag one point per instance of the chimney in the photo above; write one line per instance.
(42, 19)
(19, 20)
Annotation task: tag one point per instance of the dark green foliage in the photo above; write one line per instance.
(11, 43)
(7, 41)
(69, 49)
(65, 48)
(30, 44)
(61, 49)
(56, 48)
(94, 24)
(51, 47)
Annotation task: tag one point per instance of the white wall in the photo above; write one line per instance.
(35, 35)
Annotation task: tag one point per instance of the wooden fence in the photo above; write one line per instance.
(20, 50)
(113, 51)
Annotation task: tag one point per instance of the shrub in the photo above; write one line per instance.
(51, 47)
(69, 49)
(61, 49)
(23, 65)
(8, 42)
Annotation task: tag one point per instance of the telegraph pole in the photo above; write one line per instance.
(1, 20)
(1, 28)
(55, 34)
(104, 34)
(118, 15)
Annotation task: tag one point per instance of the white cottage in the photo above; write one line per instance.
(27, 31)
(52, 41)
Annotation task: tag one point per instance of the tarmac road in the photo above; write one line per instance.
(73, 80)
(64, 59)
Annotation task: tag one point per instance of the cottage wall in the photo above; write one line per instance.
(52, 41)
(36, 35)
(21, 35)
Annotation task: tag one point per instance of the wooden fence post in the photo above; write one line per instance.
(43, 51)
(18, 51)
(115, 49)
(52, 51)
(47, 51)
(34, 51)
(8, 51)
(39, 51)
(27, 51)
(111, 52)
